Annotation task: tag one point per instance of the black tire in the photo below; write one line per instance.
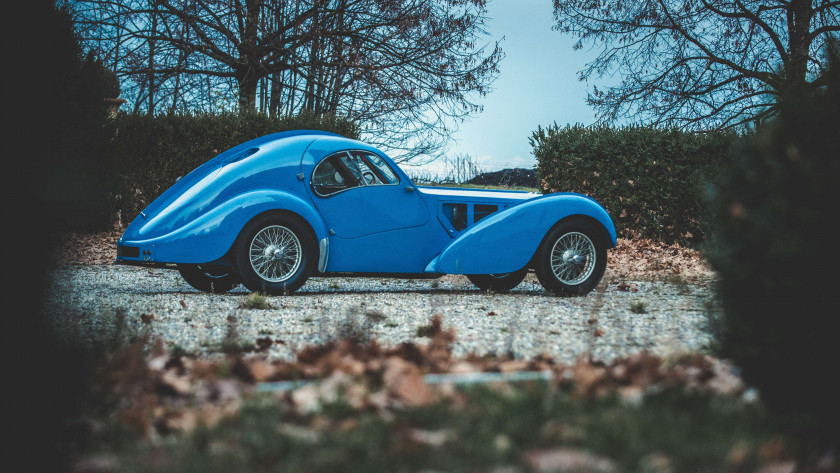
(575, 273)
(498, 282)
(297, 254)
(209, 278)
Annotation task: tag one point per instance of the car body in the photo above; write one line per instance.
(276, 210)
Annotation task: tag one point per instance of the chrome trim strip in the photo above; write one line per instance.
(323, 254)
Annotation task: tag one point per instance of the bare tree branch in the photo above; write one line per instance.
(699, 63)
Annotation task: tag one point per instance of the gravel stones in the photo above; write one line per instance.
(110, 304)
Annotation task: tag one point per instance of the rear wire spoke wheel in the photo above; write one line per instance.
(212, 278)
(572, 258)
(275, 254)
(498, 282)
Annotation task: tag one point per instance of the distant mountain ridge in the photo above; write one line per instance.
(520, 177)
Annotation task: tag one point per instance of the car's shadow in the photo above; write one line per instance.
(467, 292)
(343, 292)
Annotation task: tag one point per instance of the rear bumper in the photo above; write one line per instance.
(132, 254)
(145, 264)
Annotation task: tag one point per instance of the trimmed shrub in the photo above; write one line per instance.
(154, 151)
(777, 257)
(650, 180)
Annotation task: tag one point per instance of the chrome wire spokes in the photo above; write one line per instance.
(275, 253)
(573, 258)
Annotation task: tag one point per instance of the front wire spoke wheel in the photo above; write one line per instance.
(275, 253)
(573, 258)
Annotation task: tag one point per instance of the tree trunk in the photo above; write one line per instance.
(247, 80)
(246, 72)
(151, 71)
(274, 101)
(799, 15)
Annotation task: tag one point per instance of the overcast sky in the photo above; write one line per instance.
(537, 85)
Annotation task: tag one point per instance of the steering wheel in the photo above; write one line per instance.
(368, 177)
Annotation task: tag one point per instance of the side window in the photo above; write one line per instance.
(482, 210)
(331, 176)
(382, 174)
(354, 164)
(346, 170)
(457, 215)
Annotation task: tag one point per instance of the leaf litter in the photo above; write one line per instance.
(163, 393)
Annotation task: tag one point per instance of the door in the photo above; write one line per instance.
(358, 194)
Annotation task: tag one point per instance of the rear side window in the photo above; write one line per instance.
(457, 215)
(384, 174)
(482, 210)
(331, 177)
(354, 164)
(349, 169)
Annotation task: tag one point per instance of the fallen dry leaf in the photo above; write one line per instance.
(96, 464)
(513, 365)
(184, 421)
(772, 450)
(260, 370)
(587, 378)
(434, 438)
(779, 467)
(403, 380)
(172, 383)
(567, 460)
(264, 343)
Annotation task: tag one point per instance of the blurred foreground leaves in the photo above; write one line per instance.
(361, 407)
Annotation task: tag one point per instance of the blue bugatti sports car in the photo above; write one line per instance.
(276, 210)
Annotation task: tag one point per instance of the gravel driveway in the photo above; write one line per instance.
(101, 302)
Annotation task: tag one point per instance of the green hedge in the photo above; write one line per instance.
(154, 151)
(650, 180)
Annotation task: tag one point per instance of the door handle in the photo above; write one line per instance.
(409, 189)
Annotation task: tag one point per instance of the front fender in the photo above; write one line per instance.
(507, 240)
(211, 235)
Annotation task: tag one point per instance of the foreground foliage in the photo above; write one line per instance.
(776, 256)
(353, 406)
(528, 427)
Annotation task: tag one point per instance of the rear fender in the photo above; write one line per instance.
(211, 235)
(507, 240)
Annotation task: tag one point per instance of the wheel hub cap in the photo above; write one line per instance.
(569, 256)
(273, 252)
